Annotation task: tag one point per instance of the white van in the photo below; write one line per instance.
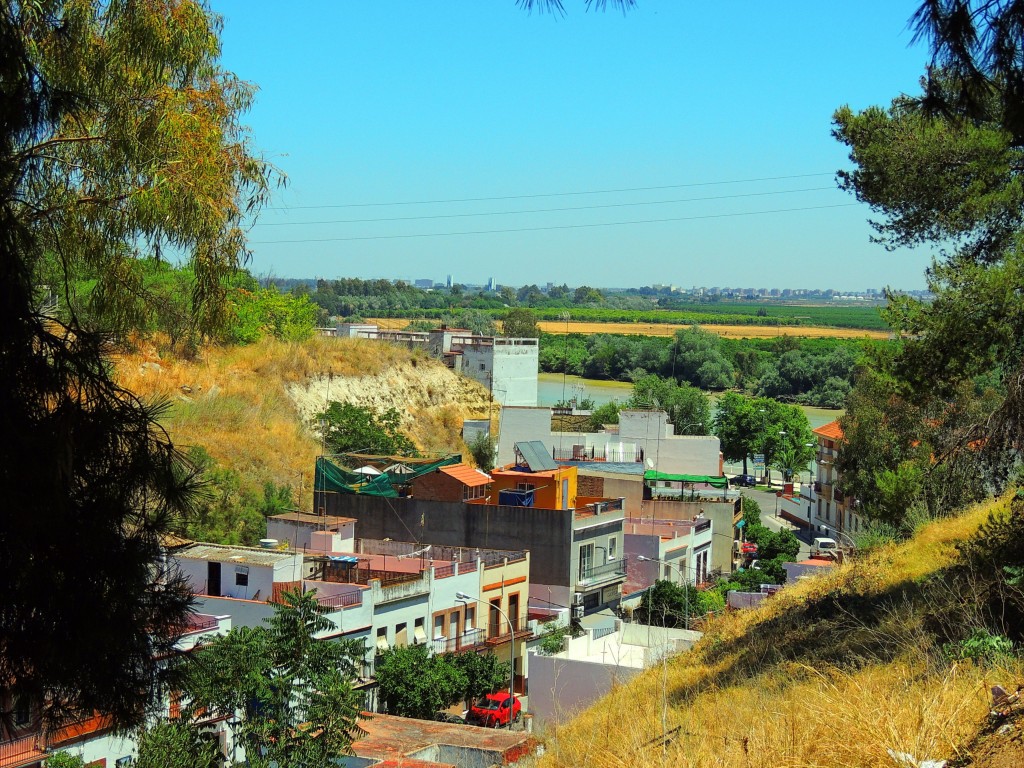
(824, 548)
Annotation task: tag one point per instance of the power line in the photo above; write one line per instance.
(549, 228)
(549, 194)
(538, 210)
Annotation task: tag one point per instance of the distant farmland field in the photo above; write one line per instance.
(730, 331)
(667, 329)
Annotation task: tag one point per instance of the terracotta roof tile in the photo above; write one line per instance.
(830, 431)
(466, 475)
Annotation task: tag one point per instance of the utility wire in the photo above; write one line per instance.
(537, 210)
(549, 228)
(549, 194)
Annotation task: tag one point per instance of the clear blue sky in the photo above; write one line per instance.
(438, 100)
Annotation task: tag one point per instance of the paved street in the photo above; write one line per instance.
(767, 501)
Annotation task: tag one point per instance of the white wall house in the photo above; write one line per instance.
(643, 436)
(243, 573)
(507, 367)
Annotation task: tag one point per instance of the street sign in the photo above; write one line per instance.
(759, 462)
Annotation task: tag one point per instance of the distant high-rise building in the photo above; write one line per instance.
(449, 283)
(490, 284)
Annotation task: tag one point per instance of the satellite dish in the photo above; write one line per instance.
(649, 463)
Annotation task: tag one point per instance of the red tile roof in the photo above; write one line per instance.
(830, 431)
(466, 475)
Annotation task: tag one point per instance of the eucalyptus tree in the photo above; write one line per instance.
(119, 140)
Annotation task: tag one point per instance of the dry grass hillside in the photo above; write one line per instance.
(251, 407)
(834, 671)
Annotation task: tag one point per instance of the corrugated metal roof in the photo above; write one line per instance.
(466, 475)
(830, 431)
(306, 517)
(535, 454)
(224, 554)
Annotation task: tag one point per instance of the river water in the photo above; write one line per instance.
(550, 389)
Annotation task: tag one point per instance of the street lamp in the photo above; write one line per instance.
(463, 597)
(682, 578)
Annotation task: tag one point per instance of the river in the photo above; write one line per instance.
(550, 389)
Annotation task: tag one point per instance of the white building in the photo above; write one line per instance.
(642, 436)
(241, 573)
(507, 367)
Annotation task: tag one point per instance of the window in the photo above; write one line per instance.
(21, 711)
(828, 511)
(525, 486)
(474, 492)
(668, 573)
(439, 626)
(483, 366)
(382, 639)
(419, 635)
(241, 576)
(470, 617)
(401, 635)
(613, 544)
(586, 560)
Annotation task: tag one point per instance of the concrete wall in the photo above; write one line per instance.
(561, 688)
(297, 533)
(261, 579)
(546, 533)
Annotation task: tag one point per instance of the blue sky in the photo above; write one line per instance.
(646, 117)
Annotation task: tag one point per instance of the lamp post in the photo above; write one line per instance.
(682, 578)
(463, 597)
(386, 557)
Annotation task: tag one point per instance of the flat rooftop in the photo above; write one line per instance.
(223, 553)
(393, 738)
(310, 519)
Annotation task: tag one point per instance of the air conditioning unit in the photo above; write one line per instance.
(577, 611)
(577, 598)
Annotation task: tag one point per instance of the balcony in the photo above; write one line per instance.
(499, 632)
(27, 750)
(593, 575)
(468, 640)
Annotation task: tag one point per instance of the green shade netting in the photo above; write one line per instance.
(712, 480)
(398, 471)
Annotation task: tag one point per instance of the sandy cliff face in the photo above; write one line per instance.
(409, 387)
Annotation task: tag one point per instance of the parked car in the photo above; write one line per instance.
(748, 548)
(823, 547)
(494, 710)
(745, 481)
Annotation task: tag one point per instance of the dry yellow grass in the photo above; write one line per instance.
(233, 402)
(836, 684)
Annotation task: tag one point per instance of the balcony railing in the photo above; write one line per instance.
(472, 638)
(22, 751)
(595, 453)
(597, 573)
(499, 633)
(334, 602)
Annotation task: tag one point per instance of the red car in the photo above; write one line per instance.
(493, 710)
(748, 548)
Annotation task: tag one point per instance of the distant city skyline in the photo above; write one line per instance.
(681, 143)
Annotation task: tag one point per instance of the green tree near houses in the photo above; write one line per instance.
(350, 428)
(292, 692)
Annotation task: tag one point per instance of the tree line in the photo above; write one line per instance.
(807, 371)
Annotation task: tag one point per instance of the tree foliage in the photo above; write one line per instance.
(520, 323)
(688, 408)
(293, 692)
(119, 137)
(352, 428)
(413, 682)
(940, 421)
(175, 744)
